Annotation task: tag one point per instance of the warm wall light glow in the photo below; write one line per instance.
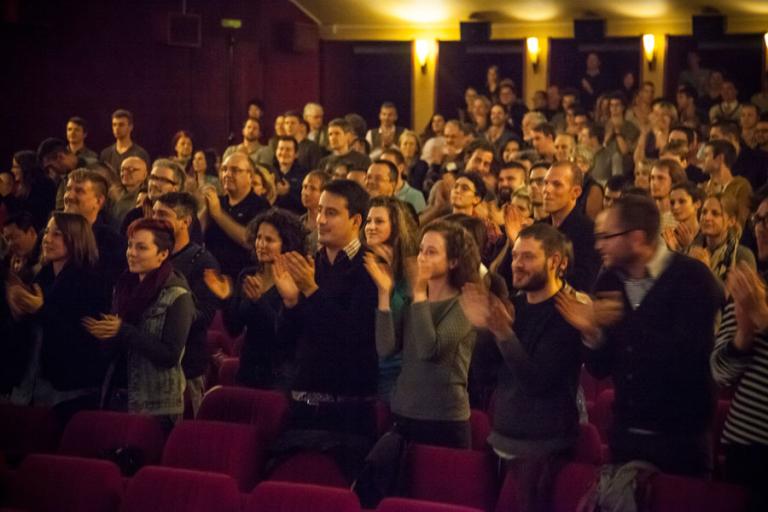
(532, 43)
(422, 48)
(766, 39)
(428, 11)
(649, 45)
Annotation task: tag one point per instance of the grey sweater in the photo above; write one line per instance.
(437, 347)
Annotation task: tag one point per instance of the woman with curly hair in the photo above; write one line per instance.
(253, 305)
(430, 402)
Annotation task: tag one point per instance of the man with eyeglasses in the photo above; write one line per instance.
(225, 217)
(651, 328)
(133, 177)
(166, 176)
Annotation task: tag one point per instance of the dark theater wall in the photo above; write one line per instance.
(90, 57)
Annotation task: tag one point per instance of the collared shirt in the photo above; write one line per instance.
(351, 249)
(637, 289)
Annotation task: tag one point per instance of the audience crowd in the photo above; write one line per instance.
(494, 254)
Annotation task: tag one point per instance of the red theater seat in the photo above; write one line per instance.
(603, 419)
(45, 483)
(447, 475)
(228, 367)
(227, 448)
(26, 430)
(292, 497)
(97, 434)
(157, 489)
(310, 468)
(408, 505)
(266, 410)
(588, 449)
(571, 484)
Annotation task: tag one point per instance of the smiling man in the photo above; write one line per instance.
(332, 300)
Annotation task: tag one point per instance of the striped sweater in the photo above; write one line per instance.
(747, 420)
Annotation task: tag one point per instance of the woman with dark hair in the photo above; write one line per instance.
(183, 146)
(204, 167)
(65, 291)
(154, 312)
(34, 192)
(390, 232)
(434, 128)
(266, 357)
(430, 403)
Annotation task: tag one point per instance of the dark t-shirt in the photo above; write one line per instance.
(109, 155)
(354, 160)
(232, 256)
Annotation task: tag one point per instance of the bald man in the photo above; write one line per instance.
(133, 177)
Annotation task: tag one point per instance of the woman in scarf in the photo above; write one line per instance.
(154, 311)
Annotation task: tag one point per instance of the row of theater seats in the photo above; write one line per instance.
(58, 483)
(236, 426)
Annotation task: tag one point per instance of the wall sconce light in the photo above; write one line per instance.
(532, 43)
(649, 47)
(765, 37)
(422, 49)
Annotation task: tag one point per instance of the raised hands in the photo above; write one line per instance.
(420, 280)
(514, 222)
(589, 316)
(486, 311)
(253, 287)
(211, 200)
(302, 270)
(220, 285)
(284, 283)
(381, 274)
(749, 296)
(103, 329)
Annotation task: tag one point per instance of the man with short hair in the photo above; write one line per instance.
(690, 138)
(536, 420)
(688, 113)
(179, 209)
(403, 190)
(562, 188)
(133, 177)
(381, 178)
(255, 109)
(250, 145)
(614, 190)
(58, 161)
(536, 183)
(388, 133)
(514, 108)
(565, 145)
(309, 152)
(166, 176)
(313, 115)
(468, 191)
(498, 133)
(122, 128)
(543, 141)
(86, 194)
(23, 246)
(729, 109)
(761, 133)
(331, 397)
(651, 328)
(750, 163)
(338, 132)
(291, 174)
(511, 178)
(665, 173)
(719, 157)
(77, 131)
(748, 120)
(225, 217)
(605, 163)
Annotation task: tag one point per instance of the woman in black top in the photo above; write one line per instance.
(265, 360)
(64, 292)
